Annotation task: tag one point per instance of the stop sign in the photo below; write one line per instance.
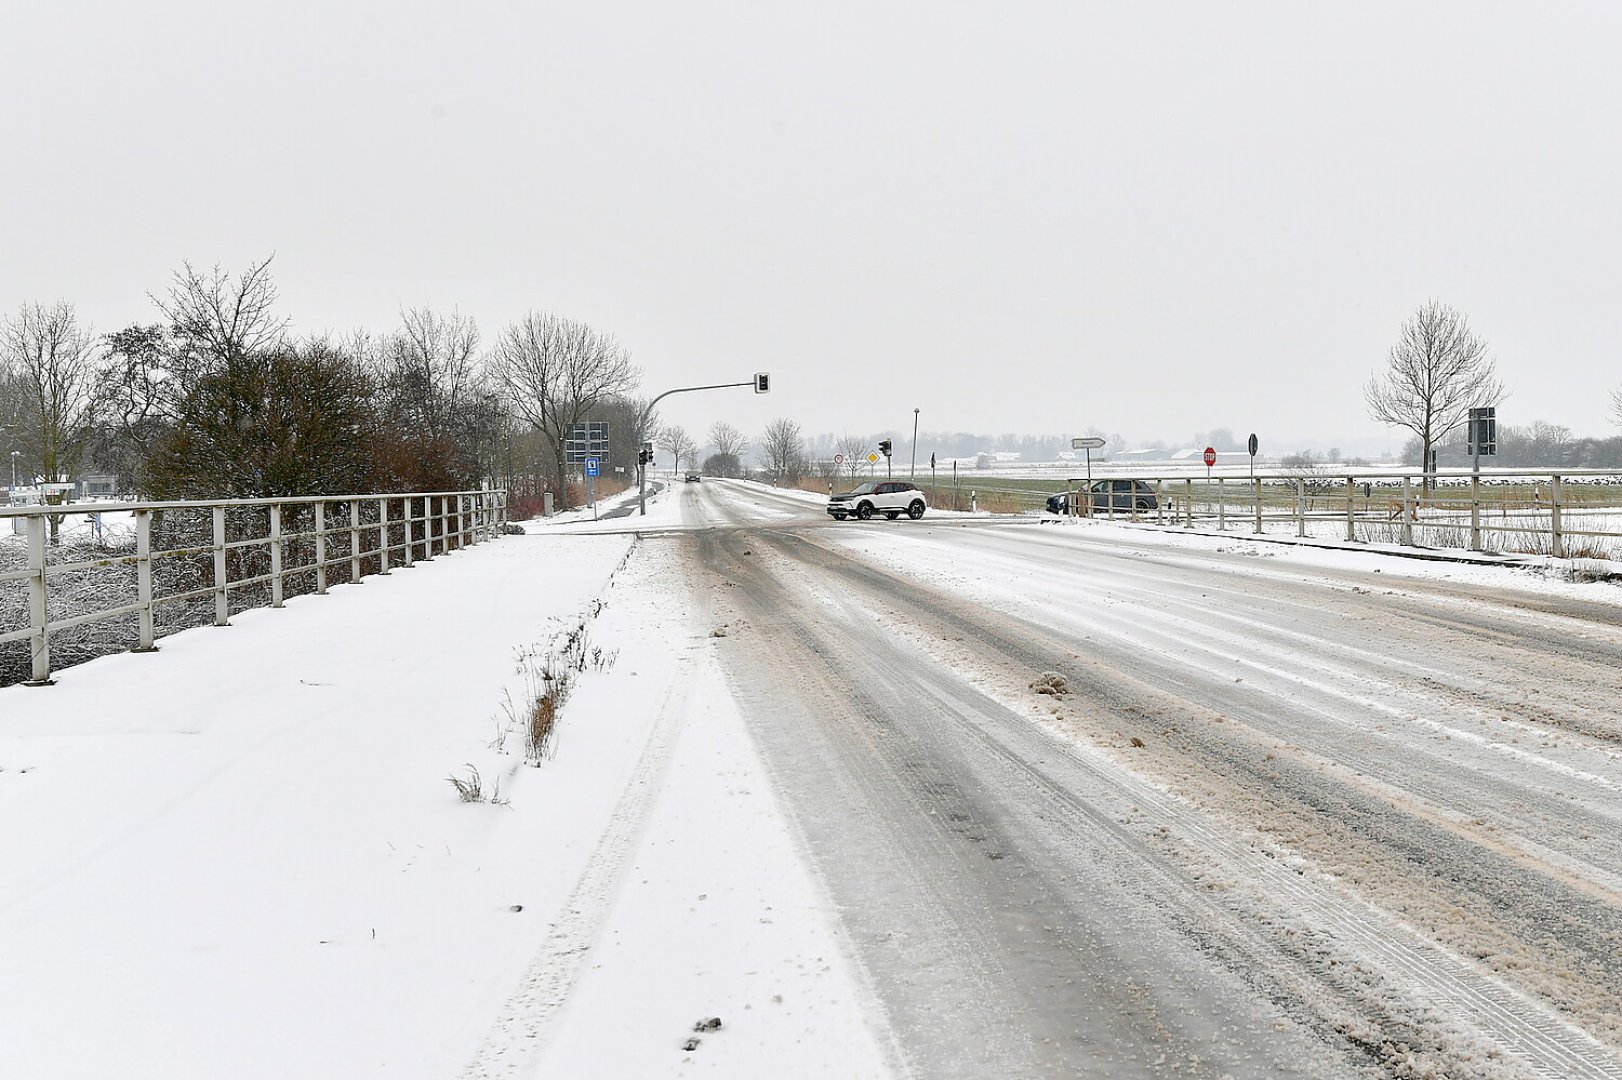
(1210, 456)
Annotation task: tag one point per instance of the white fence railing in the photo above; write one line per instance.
(145, 569)
(1573, 513)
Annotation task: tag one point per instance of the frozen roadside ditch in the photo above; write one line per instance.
(241, 856)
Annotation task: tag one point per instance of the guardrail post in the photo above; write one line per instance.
(1557, 534)
(222, 601)
(1300, 507)
(1351, 511)
(38, 607)
(1188, 504)
(405, 517)
(1475, 512)
(354, 541)
(1222, 504)
(1256, 484)
(461, 521)
(276, 555)
(320, 548)
(143, 578)
(1407, 512)
(382, 536)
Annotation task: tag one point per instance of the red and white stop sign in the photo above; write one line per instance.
(1210, 456)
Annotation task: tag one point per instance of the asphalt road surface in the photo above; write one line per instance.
(1277, 820)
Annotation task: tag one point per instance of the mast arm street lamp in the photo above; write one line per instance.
(762, 382)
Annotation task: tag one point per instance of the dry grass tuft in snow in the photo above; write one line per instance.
(470, 789)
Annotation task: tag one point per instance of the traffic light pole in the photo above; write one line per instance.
(759, 382)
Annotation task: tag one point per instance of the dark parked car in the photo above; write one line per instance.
(692, 478)
(1111, 496)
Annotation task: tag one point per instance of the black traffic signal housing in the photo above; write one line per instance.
(763, 382)
(884, 447)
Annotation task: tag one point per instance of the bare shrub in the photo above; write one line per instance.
(470, 788)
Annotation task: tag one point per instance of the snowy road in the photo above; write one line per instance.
(1296, 813)
(1290, 819)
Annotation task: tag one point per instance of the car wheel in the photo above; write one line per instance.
(864, 511)
(1143, 504)
(916, 510)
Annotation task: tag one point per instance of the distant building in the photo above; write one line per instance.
(98, 486)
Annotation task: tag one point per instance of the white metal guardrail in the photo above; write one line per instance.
(178, 564)
(1573, 513)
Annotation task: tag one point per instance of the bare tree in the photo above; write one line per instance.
(1616, 406)
(1436, 373)
(53, 376)
(220, 322)
(431, 371)
(556, 371)
(429, 375)
(674, 437)
(855, 451)
(784, 451)
(730, 445)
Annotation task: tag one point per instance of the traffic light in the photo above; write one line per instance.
(644, 456)
(884, 447)
(763, 382)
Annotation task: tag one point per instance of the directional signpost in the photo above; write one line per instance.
(1088, 444)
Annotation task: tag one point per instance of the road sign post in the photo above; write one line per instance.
(1252, 446)
(1089, 444)
(593, 468)
(1210, 460)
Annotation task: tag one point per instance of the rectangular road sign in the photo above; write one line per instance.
(592, 466)
(1089, 443)
(589, 439)
(1482, 434)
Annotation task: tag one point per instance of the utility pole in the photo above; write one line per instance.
(912, 473)
(762, 382)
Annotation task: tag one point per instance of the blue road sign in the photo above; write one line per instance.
(591, 466)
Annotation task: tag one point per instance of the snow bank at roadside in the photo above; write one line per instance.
(241, 856)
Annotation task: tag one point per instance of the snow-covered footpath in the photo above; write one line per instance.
(241, 856)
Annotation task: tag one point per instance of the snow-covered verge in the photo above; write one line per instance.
(241, 856)
(1585, 579)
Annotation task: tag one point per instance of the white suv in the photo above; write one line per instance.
(892, 498)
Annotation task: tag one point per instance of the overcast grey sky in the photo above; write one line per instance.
(1150, 218)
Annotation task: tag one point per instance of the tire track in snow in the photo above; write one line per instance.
(519, 1034)
(1423, 970)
